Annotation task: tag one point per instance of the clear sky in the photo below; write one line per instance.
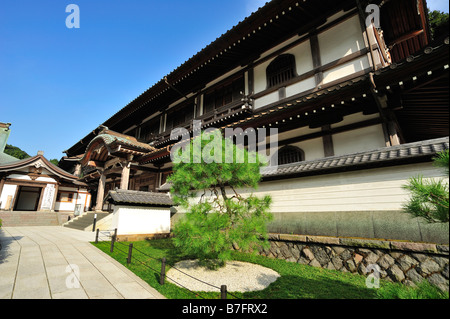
(58, 84)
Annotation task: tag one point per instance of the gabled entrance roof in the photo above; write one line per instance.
(108, 143)
(39, 161)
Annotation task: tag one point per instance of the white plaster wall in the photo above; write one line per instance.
(79, 198)
(366, 190)
(141, 220)
(266, 100)
(259, 75)
(341, 40)
(313, 148)
(61, 206)
(378, 189)
(360, 140)
(303, 57)
(355, 118)
(345, 69)
(300, 87)
(8, 190)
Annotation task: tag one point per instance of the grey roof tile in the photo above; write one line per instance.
(121, 196)
(385, 154)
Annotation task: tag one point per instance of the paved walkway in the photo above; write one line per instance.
(53, 262)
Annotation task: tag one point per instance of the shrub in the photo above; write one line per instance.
(423, 290)
(221, 219)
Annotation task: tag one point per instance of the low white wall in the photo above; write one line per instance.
(377, 189)
(130, 220)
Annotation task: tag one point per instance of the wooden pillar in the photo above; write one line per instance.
(125, 178)
(77, 171)
(54, 197)
(328, 147)
(100, 193)
(317, 61)
(2, 183)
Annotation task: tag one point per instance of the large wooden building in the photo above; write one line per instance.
(359, 108)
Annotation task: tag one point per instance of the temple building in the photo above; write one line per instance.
(360, 107)
(34, 191)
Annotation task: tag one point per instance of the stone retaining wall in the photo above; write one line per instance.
(404, 262)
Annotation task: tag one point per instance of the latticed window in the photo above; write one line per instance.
(290, 154)
(281, 69)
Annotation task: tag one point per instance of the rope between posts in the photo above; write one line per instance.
(109, 236)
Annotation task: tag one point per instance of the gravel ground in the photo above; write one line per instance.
(237, 275)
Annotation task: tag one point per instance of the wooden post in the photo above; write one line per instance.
(95, 222)
(223, 292)
(163, 271)
(113, 239)
(100, 193)
(130, 251)
(96, 235)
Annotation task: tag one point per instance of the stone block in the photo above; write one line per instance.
(414, 275)
(386, 261)
(294, 238)
(371, 258)
(357, 258)
(322, 257)
(417, 247)
(395, 273)
(302, 260)
(350, 265)
(443, 249)
(315, 263)
(307, 253)
(406, 262)
(285, 251)
(365, 243)
(428, 267)
(337, 262)
(323, 240)
(438, 281)
(274, 236)
(441, 261)
(445, 271)
(338, 249)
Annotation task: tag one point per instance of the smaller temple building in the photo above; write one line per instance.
(35, 185)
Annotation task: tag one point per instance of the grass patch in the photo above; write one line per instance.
(296, 282)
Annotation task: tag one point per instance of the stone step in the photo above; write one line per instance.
(17, 218)
(84, 221)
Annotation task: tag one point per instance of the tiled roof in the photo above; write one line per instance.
(130, 141)
(382, 155)
(16, 164)
(165, 187)
(121, 196)
(5, 158)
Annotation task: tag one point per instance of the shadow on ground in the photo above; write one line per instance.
(5, 241)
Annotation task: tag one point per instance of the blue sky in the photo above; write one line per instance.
(58, 84)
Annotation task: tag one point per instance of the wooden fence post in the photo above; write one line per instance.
(130, 251)
(95, 222)
(113, 239)
(163, 271)
(223, 292)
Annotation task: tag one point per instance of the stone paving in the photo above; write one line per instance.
(53, 262)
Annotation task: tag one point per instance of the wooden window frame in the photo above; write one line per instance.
(294, 151)
(281, 70)
(58, 197)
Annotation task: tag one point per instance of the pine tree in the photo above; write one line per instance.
(430, 198)
(218, 219)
